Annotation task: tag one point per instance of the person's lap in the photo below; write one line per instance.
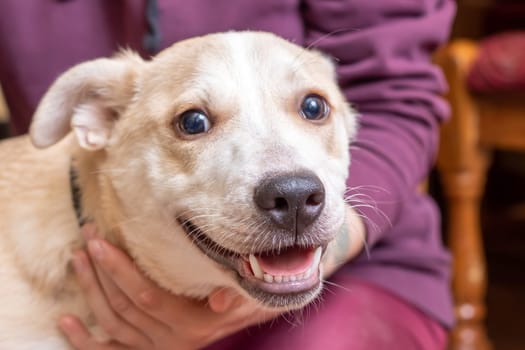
(354, 315)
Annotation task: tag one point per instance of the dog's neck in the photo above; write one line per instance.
(96, 202)
(93, 196)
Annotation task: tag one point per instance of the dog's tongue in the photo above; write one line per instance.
(291, 261)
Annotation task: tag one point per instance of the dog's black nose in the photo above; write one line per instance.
(292, 201)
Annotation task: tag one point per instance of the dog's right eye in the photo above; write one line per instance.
(194, 122)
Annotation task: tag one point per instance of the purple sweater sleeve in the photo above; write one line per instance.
(383, 51)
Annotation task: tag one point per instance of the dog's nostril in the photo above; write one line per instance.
(315, 199)
(291, 201)
(281, 204)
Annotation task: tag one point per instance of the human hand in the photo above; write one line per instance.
(347, 244)
(137, 314)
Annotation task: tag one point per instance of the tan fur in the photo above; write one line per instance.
(138, 173)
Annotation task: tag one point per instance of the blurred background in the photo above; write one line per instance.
(480, 179)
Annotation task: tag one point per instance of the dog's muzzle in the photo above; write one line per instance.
(286, 272)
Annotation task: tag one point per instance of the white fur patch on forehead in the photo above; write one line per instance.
(270, 59)
(260, 62)
(233, 64)
(260, 55)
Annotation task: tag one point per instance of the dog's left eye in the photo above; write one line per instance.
(314, 107)
(194, 122)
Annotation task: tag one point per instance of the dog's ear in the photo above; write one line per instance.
(87, 98)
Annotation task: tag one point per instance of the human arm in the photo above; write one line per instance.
(383, 52)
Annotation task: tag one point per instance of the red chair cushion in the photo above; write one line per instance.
(500, 65)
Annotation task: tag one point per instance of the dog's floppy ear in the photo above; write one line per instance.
(87, 98)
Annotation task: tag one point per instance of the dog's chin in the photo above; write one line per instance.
(287, 278)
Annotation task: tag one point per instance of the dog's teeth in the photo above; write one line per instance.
(254, 264)
(308, 272)
(268, 278)
(259, 273)
(317, 258)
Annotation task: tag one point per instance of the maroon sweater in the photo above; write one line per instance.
(382, 48)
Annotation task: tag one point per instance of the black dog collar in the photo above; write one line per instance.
(76, 194)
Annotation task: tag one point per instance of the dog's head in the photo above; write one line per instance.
(227, 155)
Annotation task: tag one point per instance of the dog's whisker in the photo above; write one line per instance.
(367, 187)
(297, 64)
(337, 285)
(329, 34)
(376, 210)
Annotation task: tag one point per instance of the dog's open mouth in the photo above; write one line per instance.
(293, 264)
(279, 278)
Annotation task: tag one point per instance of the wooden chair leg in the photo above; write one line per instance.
(462, 165)
(463, 189)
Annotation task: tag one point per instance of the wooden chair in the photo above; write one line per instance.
(480, 123)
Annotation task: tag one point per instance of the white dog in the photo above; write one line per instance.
(220, 162)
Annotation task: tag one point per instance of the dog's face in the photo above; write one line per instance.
(228, 155)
